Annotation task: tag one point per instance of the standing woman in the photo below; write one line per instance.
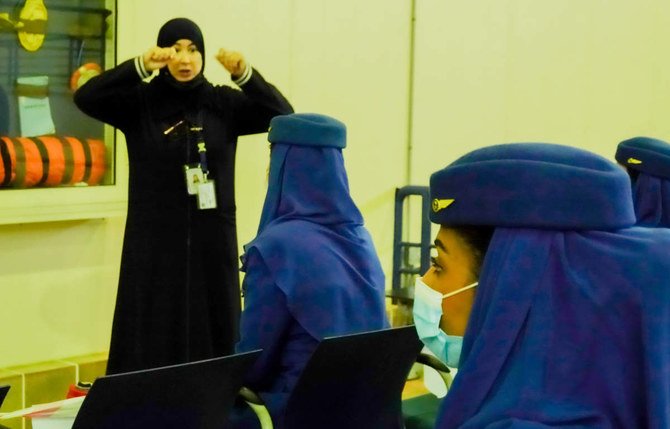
(178, 297)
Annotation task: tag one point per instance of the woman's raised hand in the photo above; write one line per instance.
(232, 61)
(156, 57)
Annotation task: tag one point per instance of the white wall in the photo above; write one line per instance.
(58, 285)
(350, 59)
(582, 73)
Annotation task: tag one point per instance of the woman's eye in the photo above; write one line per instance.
(434, 264)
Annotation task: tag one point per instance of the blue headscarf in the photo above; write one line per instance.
(311, 234)
(570, 325)
(649, 161)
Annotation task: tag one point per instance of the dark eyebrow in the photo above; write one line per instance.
(188, 46)
(440, 245)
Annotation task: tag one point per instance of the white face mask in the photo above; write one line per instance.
(427, 314)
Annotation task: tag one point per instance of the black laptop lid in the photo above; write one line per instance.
(370, 339)
(3, 393)
(374, 356)
(196, 395)
(368, 368)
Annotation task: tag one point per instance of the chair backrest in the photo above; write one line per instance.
(355, 381)
(195, 395)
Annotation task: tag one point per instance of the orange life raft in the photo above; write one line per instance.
(51, 161)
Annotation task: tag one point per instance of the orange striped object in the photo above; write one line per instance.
(50, 161)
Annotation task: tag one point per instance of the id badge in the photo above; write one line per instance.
(206, 195)
(194, 177)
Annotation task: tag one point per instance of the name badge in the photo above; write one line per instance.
(206, 195)
(194, 177)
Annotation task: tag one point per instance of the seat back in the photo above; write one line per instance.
(355, 381)
(195, 395)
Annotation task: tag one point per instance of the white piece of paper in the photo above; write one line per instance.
(67, 408)
(53, 422)
(35, 112)
(432, 379)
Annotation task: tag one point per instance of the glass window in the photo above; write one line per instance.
(48, 49)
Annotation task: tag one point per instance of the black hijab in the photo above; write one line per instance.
(172, 31)
(174, 100)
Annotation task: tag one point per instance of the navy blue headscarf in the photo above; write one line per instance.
(311, 234)
(571, 325)
(648, 160)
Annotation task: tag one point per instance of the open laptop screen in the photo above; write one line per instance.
(195, 395)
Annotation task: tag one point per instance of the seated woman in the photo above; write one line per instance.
(568, 323)
(647, 161)
(312, 270)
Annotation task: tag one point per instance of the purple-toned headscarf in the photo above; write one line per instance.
(311, 235)
(571, 324)
(648, 160)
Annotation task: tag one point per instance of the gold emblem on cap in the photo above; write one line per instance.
(439, 204)
(633, 161)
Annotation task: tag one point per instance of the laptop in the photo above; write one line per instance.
(3, 393)
(195, 395)
(362, 373)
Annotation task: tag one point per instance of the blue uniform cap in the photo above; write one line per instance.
(532, 185)
(645, 154)
(308, 129)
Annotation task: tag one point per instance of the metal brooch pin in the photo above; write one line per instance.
(169, 130)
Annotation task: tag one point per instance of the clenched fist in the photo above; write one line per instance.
(232, 61)
(157, 58)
